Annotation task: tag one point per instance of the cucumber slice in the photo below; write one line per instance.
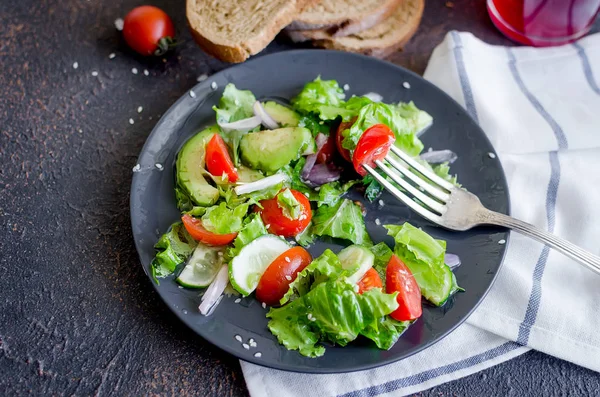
(249, 265)
(357, 260)
(202, 267)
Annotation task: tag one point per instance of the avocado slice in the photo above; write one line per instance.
(284, 116)
(270, 150)
(190, 169)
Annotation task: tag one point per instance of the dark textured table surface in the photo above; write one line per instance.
(78, 315)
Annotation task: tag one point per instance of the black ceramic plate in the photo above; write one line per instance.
(283, 75)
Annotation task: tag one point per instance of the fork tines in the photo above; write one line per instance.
(430, 206)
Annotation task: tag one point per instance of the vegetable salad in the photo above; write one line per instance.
(267, 180)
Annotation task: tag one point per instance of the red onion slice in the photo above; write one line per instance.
(241, 125)
(265, 118)
(322, 174)
(439, 156)
(213, 293)
(321, 140)
(453, 261)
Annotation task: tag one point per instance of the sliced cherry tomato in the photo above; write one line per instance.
(275, 281)
(277, 223)
(218, 161)
(339, 138)
(398, 278)
(148, 30)
(370, 280)
(325, 155)
(374, 144)
(199, 233)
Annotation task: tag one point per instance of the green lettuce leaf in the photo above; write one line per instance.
(381, 113)
(317, 94)
(373, 189)
(324, 268)
(234, 105)
(184, 201)
(290, 206)
(315, 125)
(332, 192)
(306, 237)
(221, 219)
(344, 220)
(443, 171)
(346, 110)
(253, 229)
(424, 256)
(331, 311)
(293, 329)
(417, 119)
(385, 332)
(173, 248)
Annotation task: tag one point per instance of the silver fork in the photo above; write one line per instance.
(456, 209)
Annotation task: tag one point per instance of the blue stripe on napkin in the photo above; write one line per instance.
(463, 77)
(536, 290)
(587, 69)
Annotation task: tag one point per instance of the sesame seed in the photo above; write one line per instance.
(245, 345)
(146, 72)
(502, 241)
(112, 55)
(185, 312)
(220, 253)
(137, 168)
(202, 77)
(192, 94)
(180, 286)
(317, 188)
(214, 85)
(119, 23)
(377, 222)
(131, 121)
(346, 87)
(287, 259)
(288, 278)
(238, 300)
(159, 166)
(313, 319)
(75, 65)
(257, 354)
(264, 305)
(238, 338)
(140, 109)
(94, 73)
(134, 70)
(150, 118)
(381, 203)
(406, 85)
(267, 226)
(492, 155)
(309, 316)
(252, 343)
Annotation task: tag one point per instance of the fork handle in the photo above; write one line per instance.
(569, 249)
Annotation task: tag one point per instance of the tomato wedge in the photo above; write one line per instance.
(199, 233)
(275, 220)
(398, 278)
(275, 281)
(374, 144)
(370, 280)
(339, 138)
(218, 161)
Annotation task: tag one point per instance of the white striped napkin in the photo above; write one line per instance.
(541, 110)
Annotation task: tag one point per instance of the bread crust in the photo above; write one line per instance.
(357, 45)
(241, 51)
(342, 25)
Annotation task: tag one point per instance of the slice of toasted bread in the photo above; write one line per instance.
(379, 41)
(343, 17)
(234, 30)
